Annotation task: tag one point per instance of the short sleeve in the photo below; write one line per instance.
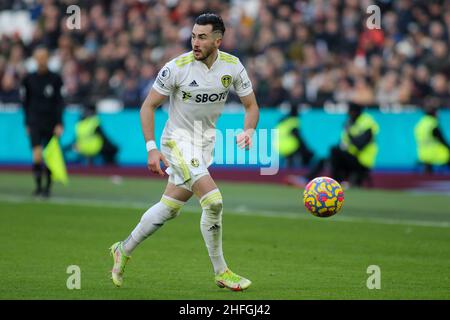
(165, 81)
(242, 83)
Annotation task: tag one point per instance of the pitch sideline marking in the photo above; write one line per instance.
(235, 211)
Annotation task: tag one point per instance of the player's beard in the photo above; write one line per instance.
(205, 55)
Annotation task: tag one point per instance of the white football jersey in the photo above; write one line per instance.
(198, 94)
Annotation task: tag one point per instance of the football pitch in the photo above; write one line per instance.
(268, 237)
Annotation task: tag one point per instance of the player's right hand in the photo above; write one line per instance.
(154, 162)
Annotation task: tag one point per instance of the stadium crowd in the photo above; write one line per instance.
(296, 52)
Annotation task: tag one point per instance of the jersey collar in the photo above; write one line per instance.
(213, 64)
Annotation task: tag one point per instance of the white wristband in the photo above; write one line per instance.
(150, 145)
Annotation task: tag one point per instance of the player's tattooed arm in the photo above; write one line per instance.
(244, 139)
(147, 114)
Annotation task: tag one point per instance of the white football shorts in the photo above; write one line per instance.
(187, 162)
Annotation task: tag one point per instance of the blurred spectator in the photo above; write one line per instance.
(441, 89)
(131, 95)
(371, 42)
(422, 87)
(388, 92)
(16, 61)
(9, 93)
(277, 94)
(344, 90)
(439, 59)
(100, 87)
(363, 93)
(82, 96)
(122, 43)
(297, 96)
(326, 88)
(147, 78)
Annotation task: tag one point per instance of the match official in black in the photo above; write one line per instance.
(43, 106)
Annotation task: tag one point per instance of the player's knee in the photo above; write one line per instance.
(173, 207)
(173, 213)
(216, 207)
(212, 202)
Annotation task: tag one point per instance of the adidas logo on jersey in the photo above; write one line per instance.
(193, 84)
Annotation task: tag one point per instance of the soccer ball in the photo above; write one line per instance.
(323, 197)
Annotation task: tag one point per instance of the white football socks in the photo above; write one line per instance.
(154, 218)
(168, 208)
(211, 228)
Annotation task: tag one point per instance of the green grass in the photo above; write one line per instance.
(268, 237)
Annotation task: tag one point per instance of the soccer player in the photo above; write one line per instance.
(197, 83)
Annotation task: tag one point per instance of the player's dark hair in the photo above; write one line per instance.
(212, 19)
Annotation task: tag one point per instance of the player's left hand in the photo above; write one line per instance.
(58, 130)
(244, 139)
